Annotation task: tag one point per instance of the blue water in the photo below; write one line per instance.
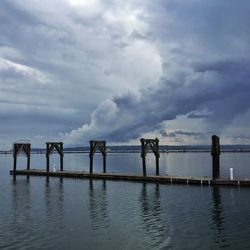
(54, 213)
(180, 164)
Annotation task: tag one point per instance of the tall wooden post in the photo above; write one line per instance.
(15, 157)
(144, 166)
(215, 152)
(91, 155)
(157, 155)
(61, 156)
(143, 156)
(91, 165)
(14, 167)
(28, 163)
(47, 157)
(94, 145)
(104, 164)
(104, 156)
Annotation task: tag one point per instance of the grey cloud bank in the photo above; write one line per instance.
(225, 96)
(117, 70)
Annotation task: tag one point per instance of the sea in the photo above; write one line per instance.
(56, 213)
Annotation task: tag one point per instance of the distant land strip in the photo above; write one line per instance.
(137, 149)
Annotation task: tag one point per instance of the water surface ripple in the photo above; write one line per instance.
(53, 213)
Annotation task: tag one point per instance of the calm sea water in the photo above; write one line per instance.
(56, 213)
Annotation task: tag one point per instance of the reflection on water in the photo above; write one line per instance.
(151, 213)
(14, 178)
(218, 217)
(23, 213)
(98, 206)
(217, 214)
(53, 213)
(54, 197)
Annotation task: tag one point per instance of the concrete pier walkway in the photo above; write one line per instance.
(134, 177)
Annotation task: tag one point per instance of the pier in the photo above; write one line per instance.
(134, 177)
(146, 145)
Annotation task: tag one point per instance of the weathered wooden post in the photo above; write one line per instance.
(50, 146)
(94, 145)
(47, 157)
(153, 144)
(157, 155)
(215, 152)
(15, 156)
(28, 161)
(61, 155)
(91, 155)
(143, 156)
(104, 157)
(18, 147)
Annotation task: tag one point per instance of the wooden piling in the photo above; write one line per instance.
(15, 161)
(47, 157)
(28, 162)
(104, 164)
(157, 156)
(215, 152)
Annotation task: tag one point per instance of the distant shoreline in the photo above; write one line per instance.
(42, 151)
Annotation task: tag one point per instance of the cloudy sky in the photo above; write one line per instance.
(75, 70)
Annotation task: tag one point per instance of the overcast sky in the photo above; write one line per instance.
(75, 70)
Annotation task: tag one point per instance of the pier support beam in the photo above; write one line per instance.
(152, 144)
(215, 152)
(50, 146)
(94, 145)
(21, 147)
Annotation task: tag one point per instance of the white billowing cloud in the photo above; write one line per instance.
(126, 19)
(87, 8)
(85, 3)
(9, 53)
(144, 67)
(102, 51)
(106, 118)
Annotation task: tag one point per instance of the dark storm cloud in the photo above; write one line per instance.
(196, 115)
(123, 68)
(241, 138)
(179, 132)
(8, 10)
(222, 88)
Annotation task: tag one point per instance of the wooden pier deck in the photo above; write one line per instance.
(134, 177)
